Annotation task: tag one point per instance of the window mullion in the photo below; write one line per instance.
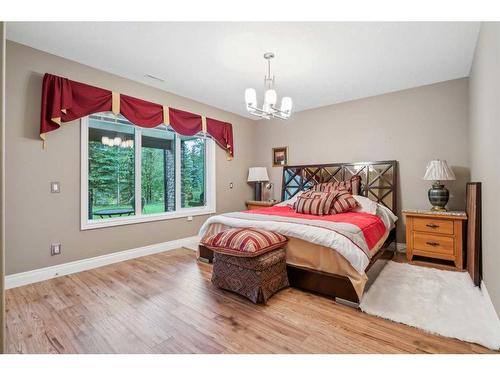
(177, 172)
(138, 175)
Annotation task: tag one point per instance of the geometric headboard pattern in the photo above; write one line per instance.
(378, 179)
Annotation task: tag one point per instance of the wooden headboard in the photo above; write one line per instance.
(378, 179)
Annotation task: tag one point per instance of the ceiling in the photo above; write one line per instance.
(317, 64)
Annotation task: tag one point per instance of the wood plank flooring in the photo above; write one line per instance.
(165, 303)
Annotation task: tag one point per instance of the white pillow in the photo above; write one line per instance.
(289, 202)
(365, 205)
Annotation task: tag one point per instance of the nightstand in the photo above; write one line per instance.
(435, 235)
(254, 205)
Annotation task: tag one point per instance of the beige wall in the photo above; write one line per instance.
(412, 126)
(2, 213)
(484, 135)
(36, 218)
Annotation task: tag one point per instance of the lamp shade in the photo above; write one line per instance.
(257, 174)
(250, 98)
(270, 97)
(286, 105)
(438, 170)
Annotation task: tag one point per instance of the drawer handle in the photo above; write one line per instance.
(433, 226)
(432, 243)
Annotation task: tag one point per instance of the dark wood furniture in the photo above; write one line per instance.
(473, 209)
(255, 205)
(436, 235)
(378, 182)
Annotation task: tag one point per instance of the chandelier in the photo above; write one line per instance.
(269, 109)
(117, 141)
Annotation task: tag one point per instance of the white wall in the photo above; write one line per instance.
(484, 141)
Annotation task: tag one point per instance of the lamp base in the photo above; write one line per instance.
(438, 196)
(437, 208)
(258, 191)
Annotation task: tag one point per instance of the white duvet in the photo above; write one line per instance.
(347, 239)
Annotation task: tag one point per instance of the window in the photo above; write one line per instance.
(132, 174)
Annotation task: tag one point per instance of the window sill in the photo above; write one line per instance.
(127, 220)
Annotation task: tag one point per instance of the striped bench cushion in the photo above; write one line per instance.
(244, 242)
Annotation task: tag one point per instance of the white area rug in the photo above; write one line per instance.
(437, 301)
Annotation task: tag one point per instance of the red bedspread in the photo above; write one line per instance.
(372, 226)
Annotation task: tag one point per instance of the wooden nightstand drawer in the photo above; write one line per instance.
(437, 235)
(431, 225)
(433, 243)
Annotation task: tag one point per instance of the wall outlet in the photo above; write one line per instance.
(55, 187)
(55, 249)
(190, 218)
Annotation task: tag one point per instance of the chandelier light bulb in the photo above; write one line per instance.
(286, 105)
(250, 98)
(270, 97)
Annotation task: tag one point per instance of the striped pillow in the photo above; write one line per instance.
(344, 202)
(327, 197)
(352, 185)
(244, 242)
(312, 205)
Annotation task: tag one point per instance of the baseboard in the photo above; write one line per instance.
(29, 277)
(487, 295)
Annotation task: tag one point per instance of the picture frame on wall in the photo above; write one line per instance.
(280, 156)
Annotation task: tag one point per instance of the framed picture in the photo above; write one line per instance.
(280, 156)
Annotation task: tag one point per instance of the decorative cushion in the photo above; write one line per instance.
(309, 206)
(343, 202)
(314, 204)
(352, 185)
(244, 242)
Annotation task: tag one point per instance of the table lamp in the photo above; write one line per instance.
(437, 171)
(258, 175)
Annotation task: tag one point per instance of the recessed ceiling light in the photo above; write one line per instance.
(154, 77)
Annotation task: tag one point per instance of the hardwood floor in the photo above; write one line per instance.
(165, 303)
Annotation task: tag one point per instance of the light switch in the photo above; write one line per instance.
(189, 218)
(231, 185)
(55, 249)
(55, 187)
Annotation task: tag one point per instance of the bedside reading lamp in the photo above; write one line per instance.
(258, 175)
(437, 171)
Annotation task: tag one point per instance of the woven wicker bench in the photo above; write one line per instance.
(249, 262)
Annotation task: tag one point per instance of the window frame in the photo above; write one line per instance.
(139, 217)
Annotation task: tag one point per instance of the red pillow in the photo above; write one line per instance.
(343, 202)
(244, 242)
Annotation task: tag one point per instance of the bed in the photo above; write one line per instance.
(331, 254)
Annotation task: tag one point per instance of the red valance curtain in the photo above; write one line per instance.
(64, 100)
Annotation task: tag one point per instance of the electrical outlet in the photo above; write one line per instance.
(55, 249)
(190, 218)
(55, 187)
